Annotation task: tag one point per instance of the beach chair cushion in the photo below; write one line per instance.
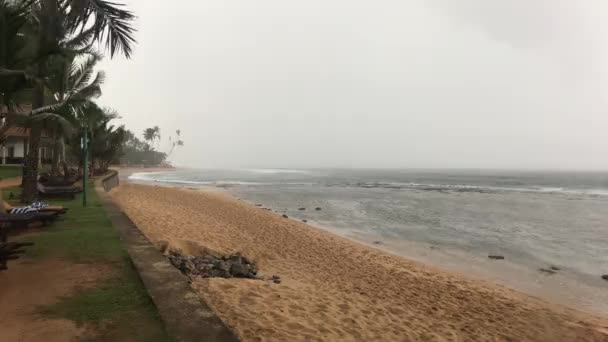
(23, 210)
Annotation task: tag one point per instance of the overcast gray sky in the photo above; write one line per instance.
(376, 83)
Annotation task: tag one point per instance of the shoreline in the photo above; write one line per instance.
(563, 286)
(333, 287)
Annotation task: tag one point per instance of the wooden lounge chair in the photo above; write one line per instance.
(51, 208)
(58, 181)
(57, 191)
(23, 220)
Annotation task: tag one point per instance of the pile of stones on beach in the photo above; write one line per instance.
(228, 266)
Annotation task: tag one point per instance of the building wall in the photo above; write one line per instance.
(19, 145)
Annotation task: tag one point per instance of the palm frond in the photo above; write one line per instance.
(80, 40)
(58, 119)
(112, 24)
(83, 72)
(88, 91)
(44, 109)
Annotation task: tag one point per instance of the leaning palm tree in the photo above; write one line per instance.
(104, 22)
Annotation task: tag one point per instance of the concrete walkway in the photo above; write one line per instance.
(186, 317)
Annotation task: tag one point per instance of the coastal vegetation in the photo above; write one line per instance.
(49, 84)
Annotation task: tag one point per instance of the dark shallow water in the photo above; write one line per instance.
(453, 219)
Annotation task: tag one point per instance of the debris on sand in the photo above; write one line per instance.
(230, 266)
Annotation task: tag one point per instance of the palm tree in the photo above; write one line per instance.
(177, 141)
(152, 134)
(79, 82)
(106, 141)
(149, 135)
(54, 21)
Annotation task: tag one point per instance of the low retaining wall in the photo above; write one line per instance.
(110, 181)
(185, 316)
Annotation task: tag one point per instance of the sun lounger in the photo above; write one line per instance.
(58, 181)
(23, 220)
(49, 208)
(57, 191)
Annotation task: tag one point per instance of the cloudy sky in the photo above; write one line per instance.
(382, 83)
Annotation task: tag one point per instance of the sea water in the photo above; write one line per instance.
(551, 227)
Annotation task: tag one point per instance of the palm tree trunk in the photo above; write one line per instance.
(30, 177)
(56, 154)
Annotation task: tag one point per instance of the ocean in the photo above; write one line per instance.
(550, 227)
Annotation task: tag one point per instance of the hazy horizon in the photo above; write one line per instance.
(518, 85)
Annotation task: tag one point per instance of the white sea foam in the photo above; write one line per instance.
(275, 171)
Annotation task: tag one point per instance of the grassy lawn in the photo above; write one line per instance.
(118, 307)
(9, 171)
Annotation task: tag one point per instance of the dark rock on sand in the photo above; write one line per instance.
(304, 220)
(378, 242)
(605, 277)
(285, 216)
(301, 208)
(228, 266)
(555, 268)
(275, 277)
(318, 208)
(258, 205)
(240, 270)
(277, 281)
(496, 257)
(547, 270)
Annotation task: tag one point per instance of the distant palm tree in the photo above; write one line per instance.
(149, 135)
(152, 134)
(175, 142)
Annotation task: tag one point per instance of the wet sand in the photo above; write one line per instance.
(333, 288)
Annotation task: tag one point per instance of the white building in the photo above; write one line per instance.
(14, 142)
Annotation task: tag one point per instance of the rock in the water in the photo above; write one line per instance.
(547, 270)
(285, 216)
(496, 257)
(318, 208)
(301, 208)
(377, 242)
(304, 220)
(605, 277)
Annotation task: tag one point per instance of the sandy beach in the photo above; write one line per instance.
(335, 289)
